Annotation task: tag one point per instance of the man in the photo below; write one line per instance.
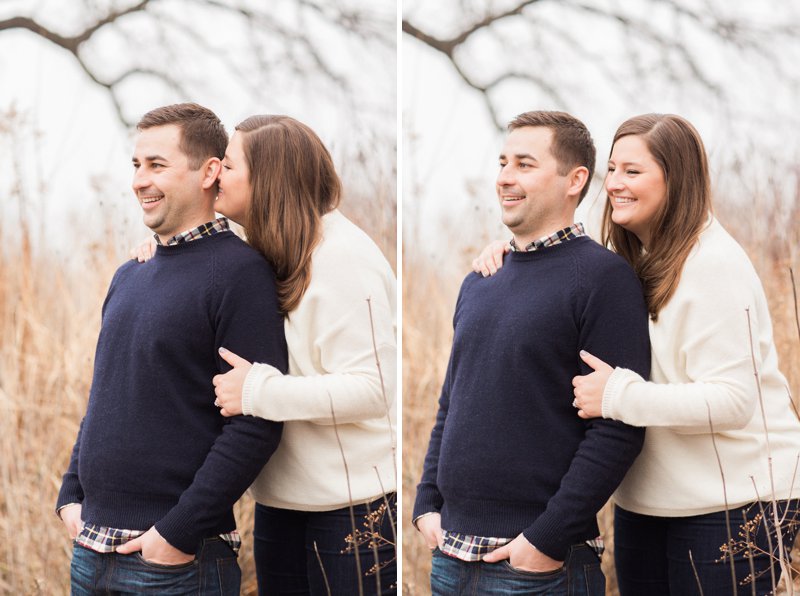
(156, 469)
(513, 477)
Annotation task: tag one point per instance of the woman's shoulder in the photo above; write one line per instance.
(719, 266)
(346, 268)
(344, 244)
(717, 254)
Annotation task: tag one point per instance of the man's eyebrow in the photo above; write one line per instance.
(521, 156)
(151, 158)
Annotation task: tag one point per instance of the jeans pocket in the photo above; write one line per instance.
(180, 567)
(532, 574)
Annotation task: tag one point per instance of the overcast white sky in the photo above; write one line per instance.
(451, 147)
(75, 155)
(69, 143)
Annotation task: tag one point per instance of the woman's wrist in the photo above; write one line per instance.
(254, 387)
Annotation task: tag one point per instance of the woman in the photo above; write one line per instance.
(718, 466)
(325, 509)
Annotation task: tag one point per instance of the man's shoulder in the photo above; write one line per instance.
(126, 269)
(228, 242)
(471, 279)
(597, 261)
(233, 255)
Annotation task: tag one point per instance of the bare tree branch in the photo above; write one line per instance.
(429, 40)
(34, 27)
(72, 43)
(670, 53)
(488, 20)
(448, 46)
(108, 19)
(307, 55)
(644, 29)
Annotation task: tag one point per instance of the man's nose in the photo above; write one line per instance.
(505, 176)
(140, 179)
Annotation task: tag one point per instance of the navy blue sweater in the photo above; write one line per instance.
(508, 452)
(153, 449)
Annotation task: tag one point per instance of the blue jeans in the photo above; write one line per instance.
(652, 553)
(305, 552)
(580, 576)
(214, 572)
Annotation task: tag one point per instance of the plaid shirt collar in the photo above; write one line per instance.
(574, 231)
(207, 229)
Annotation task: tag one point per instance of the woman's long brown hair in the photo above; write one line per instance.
(294, 183)
(678, 149)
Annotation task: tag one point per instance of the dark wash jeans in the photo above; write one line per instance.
(215, 572)
(652, 553)
(287, 561)
(580, 576)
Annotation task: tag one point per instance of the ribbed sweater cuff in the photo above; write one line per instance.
(428, 501)
(175, 529)
(254, 389)
(71, 492)
(612, 394)
(547, 535)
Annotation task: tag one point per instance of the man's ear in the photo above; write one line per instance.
(211, 170)
(578, 178)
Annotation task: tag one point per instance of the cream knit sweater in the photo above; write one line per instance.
(332, 366)
(701, 367)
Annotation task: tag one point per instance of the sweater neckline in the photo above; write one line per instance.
(196, 244)
(547, 250)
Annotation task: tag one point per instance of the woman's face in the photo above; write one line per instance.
(235, 193)
(635, 185)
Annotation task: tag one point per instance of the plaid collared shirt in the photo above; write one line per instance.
(574, 231)
(207, 229)
(470, 548)
(102, 539)
(474, 548)
(106, 540)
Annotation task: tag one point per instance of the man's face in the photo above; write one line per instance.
(169, 192)
(533, 195)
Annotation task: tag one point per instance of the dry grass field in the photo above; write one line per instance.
(773, 242)
(49, 321)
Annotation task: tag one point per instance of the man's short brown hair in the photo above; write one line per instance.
(202, 134)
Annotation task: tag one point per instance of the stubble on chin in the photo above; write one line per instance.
(511, 221)
(154, 223)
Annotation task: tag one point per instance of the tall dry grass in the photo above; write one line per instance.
(772, 239)
(48, 325)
